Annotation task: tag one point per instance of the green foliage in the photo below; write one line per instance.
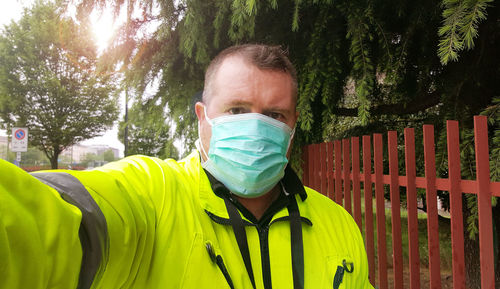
(460, 26)
(108, 156)
(493, 114)
(89, 159)
(387, 48)
(49, 81)
(149, 131)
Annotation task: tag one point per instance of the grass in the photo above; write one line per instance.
(444, 239)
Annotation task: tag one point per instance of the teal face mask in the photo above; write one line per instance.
(247, 152)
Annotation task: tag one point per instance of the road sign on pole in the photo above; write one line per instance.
(19, 139)
(17, 162)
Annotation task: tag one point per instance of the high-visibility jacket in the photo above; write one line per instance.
(143, 222)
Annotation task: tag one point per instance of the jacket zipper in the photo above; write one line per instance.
(264, 254)
(217, 259)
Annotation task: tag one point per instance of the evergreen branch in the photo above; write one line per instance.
(385, 42)
(471, 21)
(295, 21)
(419, 104)
(358, 31)
(251, 7)
(274, 4)
(451, 41)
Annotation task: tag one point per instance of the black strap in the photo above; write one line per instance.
(241, 237)
(93, 231)
(297, 244)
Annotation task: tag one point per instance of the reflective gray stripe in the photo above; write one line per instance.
(93, 228)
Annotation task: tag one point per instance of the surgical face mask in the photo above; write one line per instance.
(247, 152)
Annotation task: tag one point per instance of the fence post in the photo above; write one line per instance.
(310, 166)
(317, 168)
(346, 162)
(355, 181)
(411, 200)
(484, 203)
(432, 213)
(397, 248)
(367, 174)
(338, 172)
(330, 170)
(379, 197)
(305, 169)
(324, 159)
(457, 228)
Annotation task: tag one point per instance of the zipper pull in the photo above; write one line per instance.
(339, 276)
(217, 259)
(346, 266)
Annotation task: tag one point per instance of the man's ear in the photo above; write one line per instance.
(200, 113)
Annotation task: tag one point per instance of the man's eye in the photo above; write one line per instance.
(276, 115)
(237, 110)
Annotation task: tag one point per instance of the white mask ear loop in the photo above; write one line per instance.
(199, 144)
(292, 134)
(206, 116)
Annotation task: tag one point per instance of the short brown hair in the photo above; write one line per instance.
(265, 57)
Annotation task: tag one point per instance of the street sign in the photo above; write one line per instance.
(19, 139)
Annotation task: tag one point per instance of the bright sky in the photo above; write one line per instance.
(12, 10)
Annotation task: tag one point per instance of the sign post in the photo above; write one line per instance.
(19, 142)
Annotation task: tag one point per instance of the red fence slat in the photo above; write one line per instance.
(305, 160)
(338, 172)
(432, 211)
(346, 176)
(317, 168)
(356, 193)
(380, 205)
(397, 250)
(324, 179)
(331, 184)
(486, 253)
(367, 168)
(310, 155)
(411, 200)
(457, 228)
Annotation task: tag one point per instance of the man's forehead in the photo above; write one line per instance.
(232, 74)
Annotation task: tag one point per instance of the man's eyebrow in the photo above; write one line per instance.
(276, 109)
(238, 102)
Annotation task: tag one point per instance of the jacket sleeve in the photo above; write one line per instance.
(134, 194)
(39, 242)
(41, 224)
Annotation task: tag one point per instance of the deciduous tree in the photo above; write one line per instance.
(50, 82)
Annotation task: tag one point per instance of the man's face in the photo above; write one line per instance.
(240, 87)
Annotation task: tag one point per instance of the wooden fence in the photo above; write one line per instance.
(324, 171)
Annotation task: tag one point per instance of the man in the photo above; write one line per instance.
(230, 215)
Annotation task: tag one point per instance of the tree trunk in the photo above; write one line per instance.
(53, 162)
(54, 158)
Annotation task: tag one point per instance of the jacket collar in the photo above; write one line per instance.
(211, 191)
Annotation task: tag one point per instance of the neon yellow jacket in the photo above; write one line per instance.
(150, 224)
